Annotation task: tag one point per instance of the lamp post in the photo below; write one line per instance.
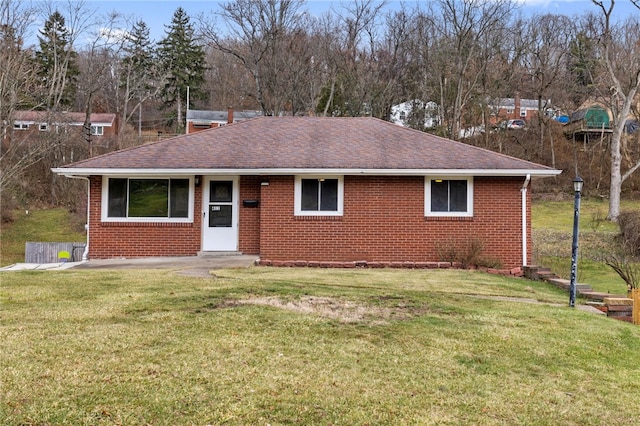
(577, 188)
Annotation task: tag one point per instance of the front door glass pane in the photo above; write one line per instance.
(221, 191)
(220, 216)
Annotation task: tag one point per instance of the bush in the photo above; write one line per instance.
(8, 205)
(630, 232)
(469, 255)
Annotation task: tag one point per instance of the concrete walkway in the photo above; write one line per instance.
(188, 265)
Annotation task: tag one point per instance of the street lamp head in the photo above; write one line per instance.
(577, 184)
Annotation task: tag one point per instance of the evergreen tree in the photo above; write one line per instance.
(56, 63)
(183, 62)
(582, 64)
(139, 74)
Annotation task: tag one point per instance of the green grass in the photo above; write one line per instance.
(552, 223)
(51, 225)
(307, 346)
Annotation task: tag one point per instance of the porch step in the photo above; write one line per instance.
(210, 254)
(566, 284)
(538, 273)
(598, 296)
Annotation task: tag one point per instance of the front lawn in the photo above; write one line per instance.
(308, 346)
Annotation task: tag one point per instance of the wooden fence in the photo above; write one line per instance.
(36, 252)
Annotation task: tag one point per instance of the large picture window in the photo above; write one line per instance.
(318, 196)
(449, 197)
(142, 198)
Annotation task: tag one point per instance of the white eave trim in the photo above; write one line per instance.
(70, 172)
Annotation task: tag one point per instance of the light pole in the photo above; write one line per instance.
(577, 188)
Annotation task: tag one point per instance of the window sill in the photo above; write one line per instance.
(317, 218)
(448, 218)
(146, 224)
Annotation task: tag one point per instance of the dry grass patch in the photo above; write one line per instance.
(344, 311)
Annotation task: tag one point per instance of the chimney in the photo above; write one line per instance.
(517, 103)
(230, 115)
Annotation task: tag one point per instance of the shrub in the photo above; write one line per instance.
(8, 204)
(630, 232)
(468, 254)
(627, 269)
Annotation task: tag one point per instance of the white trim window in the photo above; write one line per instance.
(448, 196)
(97, 130)
(148, 199)
(43, 127)
(319, 195)
(20, 126)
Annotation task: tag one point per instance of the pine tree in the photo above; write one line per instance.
(582, 64)
(183, 61)
(56, 64)
(139, 75)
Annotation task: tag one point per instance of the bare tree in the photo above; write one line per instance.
(460, 25)
(18, 81)
(621, 56)
(255, 35)
(358, 66)
(97, 61)
(545, 62)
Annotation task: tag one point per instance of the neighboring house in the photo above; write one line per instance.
(201, 120)
(102, 124)
(591, 122)
(504, 109)
(415, 114)
(309, 189)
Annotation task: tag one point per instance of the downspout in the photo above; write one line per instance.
(85, 253)
(523, 190)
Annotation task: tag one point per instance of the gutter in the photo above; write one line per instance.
(523, 190)
(75, 171)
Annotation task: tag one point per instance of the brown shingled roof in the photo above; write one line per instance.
(63, 117)
(308, 143)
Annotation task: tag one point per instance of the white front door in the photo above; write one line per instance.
(220, 215)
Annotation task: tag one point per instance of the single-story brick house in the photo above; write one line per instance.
(308, 189)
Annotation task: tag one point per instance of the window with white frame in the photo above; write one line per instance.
(21, 126)
(446, 196)
(43, 127)
(147, 199)
(97, 130)
(319, 196)
(523, 112)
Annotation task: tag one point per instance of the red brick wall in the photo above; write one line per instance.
(249, 227)
(191, 128)
(384, 221)
(117, 239)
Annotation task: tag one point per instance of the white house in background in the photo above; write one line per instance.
(414, 112)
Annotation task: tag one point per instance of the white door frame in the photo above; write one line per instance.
(220, 238)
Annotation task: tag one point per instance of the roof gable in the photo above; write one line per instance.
(307, 143)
